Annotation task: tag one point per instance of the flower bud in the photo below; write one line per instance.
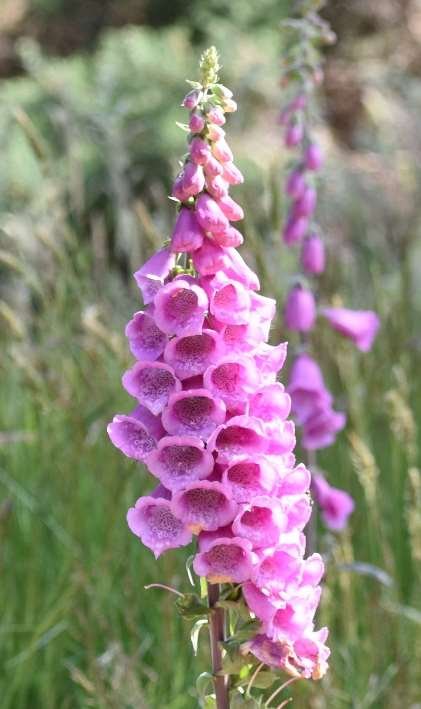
(193, 179)
(217, 187)
(213, 167)
(232, 174)
(223, 91)
(294, 229)
(199, 151)
(306, 204)
(229, 106)
(300, 309)
(293, 135)
(192, 99)
(296, 184)
(187, 235)
(313, 256)
(216, 115)
(196, 123)
(222, 151)
(313, 158)
(215, 132)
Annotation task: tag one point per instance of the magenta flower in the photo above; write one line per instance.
(192, 99)
(321, 427)
(222, 151)
(271, 402)
(152, 383)
(294, 134)
(230, 301)
(153, 274)
(336, 505)
(232, 174)
(300, 309)
(248, 478)
(210, 258)
(361, 326)
(230, 208)
(216, 115)
(187, 235)
(209, 215)
(146, 341)
(237, 269)
(197, 123)
(153, 521)
(263, 605)
(195, 412)
(191, 355)
(305, 205)
(204, 505)
(295, 481)
(180, 307)
(295, 228)
(226, 560)
(313, 157)
(232, 379)
(261, 521)
(179, 461)
(133, 437)
(199, 151)
(313, 257)
(306, 657)
(295, 184)
(307, 388)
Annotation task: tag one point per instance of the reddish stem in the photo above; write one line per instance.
(217, 635)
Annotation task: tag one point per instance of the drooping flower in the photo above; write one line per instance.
(300, 309)
(153, 521)
(307, 388)
(336, 505)
(360, 326)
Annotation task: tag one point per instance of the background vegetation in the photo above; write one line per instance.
(89, 146)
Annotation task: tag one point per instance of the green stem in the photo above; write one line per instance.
(311, 529)
(217, 636)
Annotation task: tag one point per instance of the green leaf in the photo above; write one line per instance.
(265, 679)
(246, 632)
(239, 701)
(191, 607)
(209, 702)
(189, 564)
(202, 684)
(195, 632)
(365, 569)
(232, 664)
(183, 126)
(237, 607)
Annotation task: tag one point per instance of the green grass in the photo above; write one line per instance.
(78, 629)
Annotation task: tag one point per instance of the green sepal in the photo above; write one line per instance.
(237, 607)
(233, 663)
(191, 607)
(244, 633)
(239, 701)
(195, 632)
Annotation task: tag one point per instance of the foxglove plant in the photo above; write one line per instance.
(211, 425)
(312, 403)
